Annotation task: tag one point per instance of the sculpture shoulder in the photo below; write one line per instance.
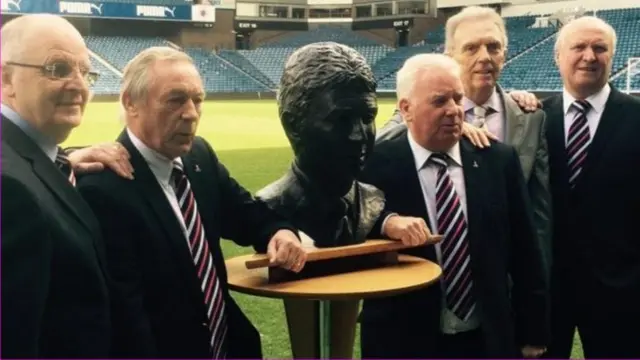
(370, 191)
(371, 198)
(283, 195)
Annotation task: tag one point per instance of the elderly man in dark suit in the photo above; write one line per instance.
(162, 230)
(593, 155)
(55, 301)
(476, 38)
(475, 198)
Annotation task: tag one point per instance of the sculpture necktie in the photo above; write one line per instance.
(62, 161)
(455, 247)
(480, 117)
(578, 140)
(345, 232)
(203, 261)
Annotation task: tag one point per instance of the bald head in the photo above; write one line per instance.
(25, 33)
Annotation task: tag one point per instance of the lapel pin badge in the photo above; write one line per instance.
(475, 164)
(197, 168)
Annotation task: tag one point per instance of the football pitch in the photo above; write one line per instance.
(248, 137)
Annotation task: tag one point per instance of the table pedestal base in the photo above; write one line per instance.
(322, 329)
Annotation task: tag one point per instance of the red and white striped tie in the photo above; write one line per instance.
(452, 223)
(203, 261)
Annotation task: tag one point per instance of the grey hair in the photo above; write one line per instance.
(588, 21)
(408, 74)
(135, 77)
(473, 13)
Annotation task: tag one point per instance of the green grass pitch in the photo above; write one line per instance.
(249, 140)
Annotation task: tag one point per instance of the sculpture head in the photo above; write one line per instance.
(327, 106)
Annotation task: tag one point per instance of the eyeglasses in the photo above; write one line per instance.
(61, 71)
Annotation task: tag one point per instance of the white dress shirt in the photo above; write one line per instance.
(597, 101)
(428, 175)
(162, 168)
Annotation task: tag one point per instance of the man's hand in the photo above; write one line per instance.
(478, 137)
(285, 250)
(96, 157)
(527, 101)
(410, 230)
(533, 351)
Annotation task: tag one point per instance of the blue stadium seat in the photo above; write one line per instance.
(118, 50)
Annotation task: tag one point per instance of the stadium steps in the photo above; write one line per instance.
(105, 63)
(268, 85)
(246, 66)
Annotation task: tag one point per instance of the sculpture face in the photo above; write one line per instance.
(328, 106)
(338, 136)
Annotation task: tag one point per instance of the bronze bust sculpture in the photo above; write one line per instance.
(327, 107)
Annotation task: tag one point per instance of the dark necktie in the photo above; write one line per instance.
(203, 261)
(455, 247)
(578, 140)
(62, 161)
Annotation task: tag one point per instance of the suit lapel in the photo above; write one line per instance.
(152, 192)
(476, 181)
(49, 174)
(556, 139)
(514, 121)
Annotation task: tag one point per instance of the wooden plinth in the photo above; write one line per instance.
(335, 278)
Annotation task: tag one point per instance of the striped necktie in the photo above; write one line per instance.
(578, 140)
(62, 161)
(452, 223)
(203, 262)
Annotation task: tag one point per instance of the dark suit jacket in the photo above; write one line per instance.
(158, 307)
(596, 241)
(526, 133)
(502, 244)
(54, 288)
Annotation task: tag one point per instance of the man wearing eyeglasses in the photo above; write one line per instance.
(54, 288)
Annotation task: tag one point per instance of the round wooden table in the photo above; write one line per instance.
(410, 273)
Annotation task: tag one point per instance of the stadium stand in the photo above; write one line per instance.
(118, 50)
(530, 64)
(222, 76)
(535, 69)
(270, 58)
(108, 82)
